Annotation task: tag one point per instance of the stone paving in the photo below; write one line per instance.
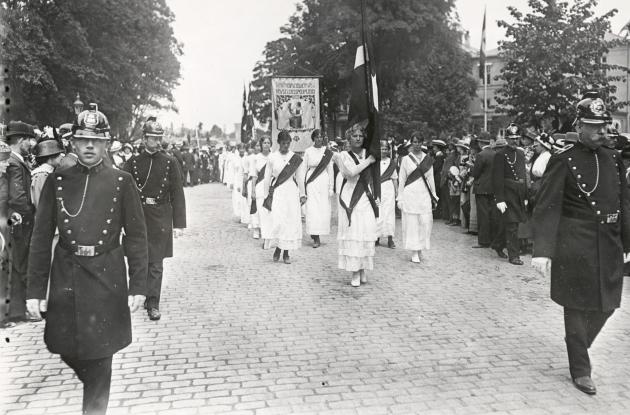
(463, 333)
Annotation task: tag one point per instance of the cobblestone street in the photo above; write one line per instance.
(463, 333)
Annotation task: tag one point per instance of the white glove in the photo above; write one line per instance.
(502, 206)
(35, 306)
(542, 265)
(178, 232)
(626, 257)
(135, 302)
(16, 218)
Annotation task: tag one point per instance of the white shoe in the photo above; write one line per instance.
(363, 277)
(415, 258)
(256, 235)
(356, 280)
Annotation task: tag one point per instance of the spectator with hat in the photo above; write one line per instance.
(48, 156)
(582, 234)
(114, 154)
(21, 213)
(482, 188)
(438, 155)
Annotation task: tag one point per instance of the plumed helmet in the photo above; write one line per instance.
(592, 110)
(91, 124)
(512, 131)
(48, 148)
(152, 128)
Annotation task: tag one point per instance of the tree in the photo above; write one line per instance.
(322, 37)
(554, 53)
(121, 54)
(216, 131)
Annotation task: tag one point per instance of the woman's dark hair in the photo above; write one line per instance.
(284, 136)
(260, 142)
(316, 133)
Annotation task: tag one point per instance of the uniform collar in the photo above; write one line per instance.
(18, 156)
(90, 169)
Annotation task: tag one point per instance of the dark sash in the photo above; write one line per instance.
(261, 174)
(285, 174)
(421, 168)
(420, 171)
(323, 163)
(361, 187)
(387, 174)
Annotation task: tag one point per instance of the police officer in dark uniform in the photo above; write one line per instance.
(509, 186)
(88, 311)
(159, 184)
(581, 229)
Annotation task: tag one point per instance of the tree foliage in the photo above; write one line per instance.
(553, 53)
(414, 44)
(121, 54)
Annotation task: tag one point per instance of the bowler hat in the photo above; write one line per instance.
(19, 128)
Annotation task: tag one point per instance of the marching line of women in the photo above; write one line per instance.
(272, 191)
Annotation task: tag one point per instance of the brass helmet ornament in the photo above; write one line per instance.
(91, 124)
(512, 131)
(592, 110)
(152, 128)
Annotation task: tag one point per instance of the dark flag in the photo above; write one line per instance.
(482, 49)
(244, 135)
(364, 102)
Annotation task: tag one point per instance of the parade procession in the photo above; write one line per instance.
(329, 207)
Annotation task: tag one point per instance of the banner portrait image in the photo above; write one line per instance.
(295, 108)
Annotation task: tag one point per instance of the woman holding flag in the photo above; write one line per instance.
(416, 198)
(257, 173)
(357, 216)
(284, 187)
(319, 185)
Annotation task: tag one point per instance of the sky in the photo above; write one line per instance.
(223, 40)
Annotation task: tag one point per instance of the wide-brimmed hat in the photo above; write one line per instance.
(546, 141)
(463, 145)
(500, 142)
(48, 148)
(19, 128)
(439, 143)
(116, 146)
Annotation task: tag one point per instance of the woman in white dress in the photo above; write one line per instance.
(357, 224)
(236, 181)
(319, 185)
(256, 172)
(386, 222)
(284, 180)
(244, 179)
(415, 187)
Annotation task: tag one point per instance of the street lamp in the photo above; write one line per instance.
(78, 105)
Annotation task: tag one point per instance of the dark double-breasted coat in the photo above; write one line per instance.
(19, 201)
(88, 315)
(482, 171)
(584, 232)
(159, 183)
(509, 182)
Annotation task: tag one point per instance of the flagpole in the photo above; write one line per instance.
(485, 97)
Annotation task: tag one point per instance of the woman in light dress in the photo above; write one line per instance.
(415, 201)
(318, 190)
(262, 215)
(386, 223)
(357, 228)
(245, 189)
(286, 212)
(236, 180)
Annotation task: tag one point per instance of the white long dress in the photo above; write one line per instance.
(417, 214)
(286, 214)
(235, 173)
(262, 218)
(386, 222)
(317, 206)
(356, 239)
(245, 201)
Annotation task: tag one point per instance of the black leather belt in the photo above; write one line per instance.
(88, 250)
(602, 218)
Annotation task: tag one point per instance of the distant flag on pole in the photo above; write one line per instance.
(244, 135)
(364, 101)
(482, 49)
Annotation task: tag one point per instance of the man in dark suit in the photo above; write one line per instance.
(509, 185)
(581, 227)
(159, 184)
(482, 188)
(21, 212)
(189, 166)
(88, 311)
